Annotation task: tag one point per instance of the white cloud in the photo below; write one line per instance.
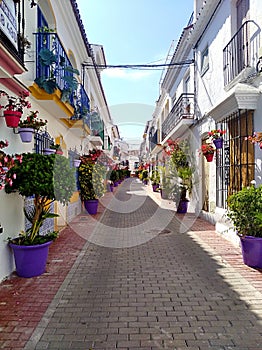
(128, 74)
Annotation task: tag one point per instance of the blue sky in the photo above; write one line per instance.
(133, 32)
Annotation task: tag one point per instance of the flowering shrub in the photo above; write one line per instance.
(32, 121)
(6, 163)
(91, 180)
(256, 138)
(93, 156)
(207, 149)
(15, 103)
(216, 133)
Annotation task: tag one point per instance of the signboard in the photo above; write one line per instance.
(8, 20)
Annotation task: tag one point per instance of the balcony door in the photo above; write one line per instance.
(242, 13)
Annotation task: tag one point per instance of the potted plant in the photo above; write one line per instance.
(53, 148)
(91, 175)
(208, 151)
(155, 179)
(114, 177)
(27, 126)
(144, 176)
(47, 179)
(13, 110)
(255, 138)
(181, 173)
(244, 210)
(216, 136)
(56, 67)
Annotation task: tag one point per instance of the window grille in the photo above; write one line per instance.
(235, 165)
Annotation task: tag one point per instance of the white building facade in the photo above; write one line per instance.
(78, 117)
(216, 85)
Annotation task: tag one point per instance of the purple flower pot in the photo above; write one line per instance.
(91, 206)
(252, 251)
(155, 187)
(26, 134)
(218, 143)
(30, 260)
(182, 207)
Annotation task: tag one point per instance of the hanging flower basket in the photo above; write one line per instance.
(209, 157)
(12, 118)
(26, 134)
(77, 163)
(218, 143)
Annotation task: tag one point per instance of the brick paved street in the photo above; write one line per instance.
(148, 278)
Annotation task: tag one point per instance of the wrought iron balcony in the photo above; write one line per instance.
(53, 67)
(82, 106)
(242, 51)
(182, 109)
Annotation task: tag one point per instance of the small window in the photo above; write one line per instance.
(204, 61)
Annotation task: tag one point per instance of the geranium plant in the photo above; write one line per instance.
(32, 121)
(255, 138)
(15, 103)
(216, 133)
(207, 148)
(6, 163)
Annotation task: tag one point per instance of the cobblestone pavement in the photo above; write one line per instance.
(148, 278)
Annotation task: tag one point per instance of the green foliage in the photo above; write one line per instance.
(47, 178)
(181, 171)
(144, 175)
(155, 177)
(91, 180)
(56, 64)
(114, 176)
(244, 209)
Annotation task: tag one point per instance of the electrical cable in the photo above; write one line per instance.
(139, 66)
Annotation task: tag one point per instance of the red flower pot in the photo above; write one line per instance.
(12, 118)
(209, 157)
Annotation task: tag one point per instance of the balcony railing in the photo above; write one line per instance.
(82, 106)
(52, 67)
(182, 109)
(16, 27)
(242, 51)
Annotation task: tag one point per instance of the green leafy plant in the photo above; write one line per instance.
(114, 176)
(48, 179)
(244, 209)
(57, 67)
(155, 177)
(180, 170)
(91, 175)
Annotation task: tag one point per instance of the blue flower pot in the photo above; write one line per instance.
(91, 206)
(30, 260)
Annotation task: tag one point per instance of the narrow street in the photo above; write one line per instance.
(154, 285)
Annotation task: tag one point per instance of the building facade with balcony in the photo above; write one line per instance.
(220, 89)
(44, 50)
